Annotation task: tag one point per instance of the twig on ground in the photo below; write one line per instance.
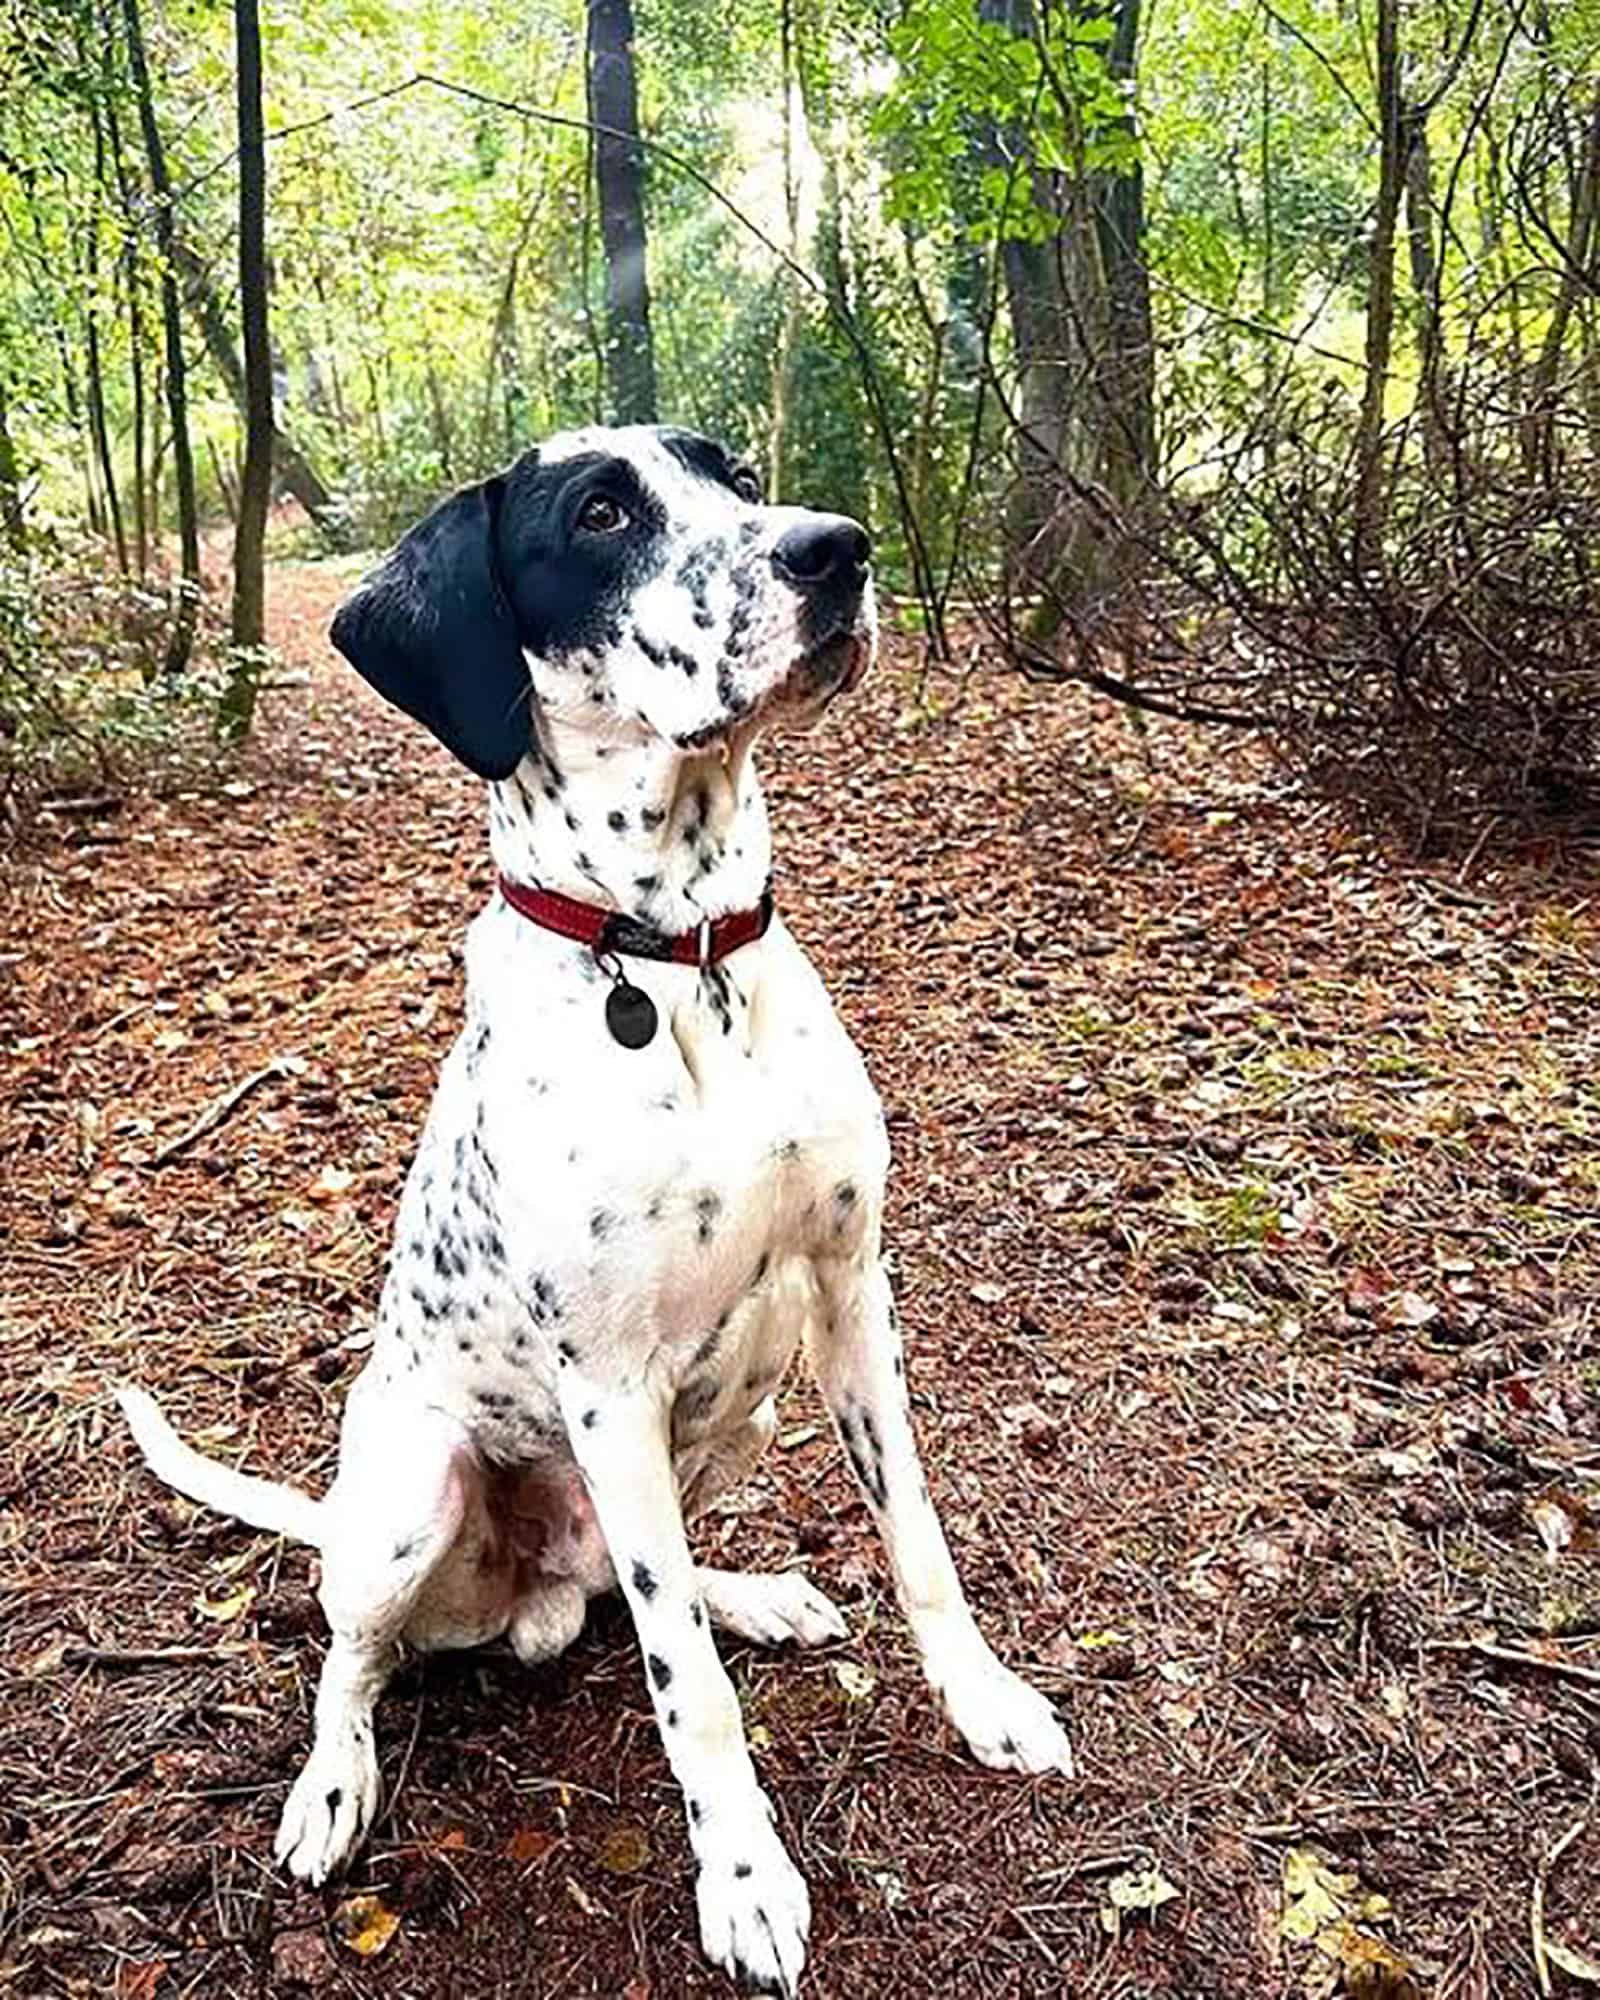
(1541, 1959)
(222, 1107)
(148, 1656)
(1514, 1656)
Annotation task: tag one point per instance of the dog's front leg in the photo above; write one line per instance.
(855, 1352)
(754, 1909)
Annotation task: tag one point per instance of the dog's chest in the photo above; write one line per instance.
(655, 1214)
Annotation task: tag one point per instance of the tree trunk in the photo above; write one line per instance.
(444, 441)
(1583, 232)
(248, 632)
(1380, 283)
(788, 301)
(296, 471)
(180, 642)
(1423, 256)
(11, 518)
(1128, 369)
(1055, 304)
(131, 279)
(619, 183)
(94, 379)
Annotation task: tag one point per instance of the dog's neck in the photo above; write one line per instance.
(641, 826)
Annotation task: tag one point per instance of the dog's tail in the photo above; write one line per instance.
(263, 1503)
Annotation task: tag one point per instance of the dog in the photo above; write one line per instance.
(654, 1165)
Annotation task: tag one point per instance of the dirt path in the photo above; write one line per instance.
(1245, 1225)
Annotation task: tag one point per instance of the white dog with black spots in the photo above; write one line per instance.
(606, 1255)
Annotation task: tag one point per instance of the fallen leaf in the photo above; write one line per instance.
(1317, 1895)
(583, 1899)
(366, 1924)
(1555, 1526)
(1406, 1464)
(1575, 1964)
(331, 1184)
(1369, 1970)
(138, 1980)
(530, 1843)
(1134, 1891)
(225, 1609)
(625, 1849)
(1327, 1907)
(1412, 1309)
(1365, 1290)
(987, 1293)
(857, 1681)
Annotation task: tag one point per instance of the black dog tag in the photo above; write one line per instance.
(630, 1015)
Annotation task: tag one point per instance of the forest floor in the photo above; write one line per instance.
(1246, 1224)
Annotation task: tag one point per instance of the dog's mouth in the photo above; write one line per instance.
(832, 666)
(819, 674)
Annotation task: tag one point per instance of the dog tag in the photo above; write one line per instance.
(630, 1015)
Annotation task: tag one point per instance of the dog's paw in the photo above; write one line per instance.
(331, 1806)
(1007, 1725)
(772, 1609)
(755, 1909)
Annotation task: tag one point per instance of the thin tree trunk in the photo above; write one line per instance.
(11, 515)
(227, 485)
(619, 183)
(1423, 257)
(132, 279)
(180, 642)
(248, 629)
(444, 442)
(69, 374)
(1582, 233)
(94, 366)
(1128, 372)
(296, 471)
(788, 311)
(1380, 281)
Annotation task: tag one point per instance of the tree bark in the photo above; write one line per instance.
(131, 279)
(1379, 344)
(180, 641)
(1128, 371)
(238, 706)
(296, 471)
(11, 515)
(1424, 262)
(1583, 233)
(94, 376)
(619, 183)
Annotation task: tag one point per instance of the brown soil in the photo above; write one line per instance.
(1246, 1222)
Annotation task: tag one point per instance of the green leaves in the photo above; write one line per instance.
(978, 110)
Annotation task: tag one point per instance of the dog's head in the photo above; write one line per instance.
(631, 581)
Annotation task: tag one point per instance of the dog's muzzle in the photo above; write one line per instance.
(826, 558)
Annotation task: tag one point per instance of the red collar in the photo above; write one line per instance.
(614, 931)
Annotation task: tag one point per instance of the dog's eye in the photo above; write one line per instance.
(601, 515)
(746, 485)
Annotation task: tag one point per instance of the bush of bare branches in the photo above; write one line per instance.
(1416, 630)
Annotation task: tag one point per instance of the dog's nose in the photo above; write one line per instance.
(824, 548)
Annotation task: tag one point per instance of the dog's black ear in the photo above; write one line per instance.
(432, 631)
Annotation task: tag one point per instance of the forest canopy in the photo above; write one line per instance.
(1242, 358)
